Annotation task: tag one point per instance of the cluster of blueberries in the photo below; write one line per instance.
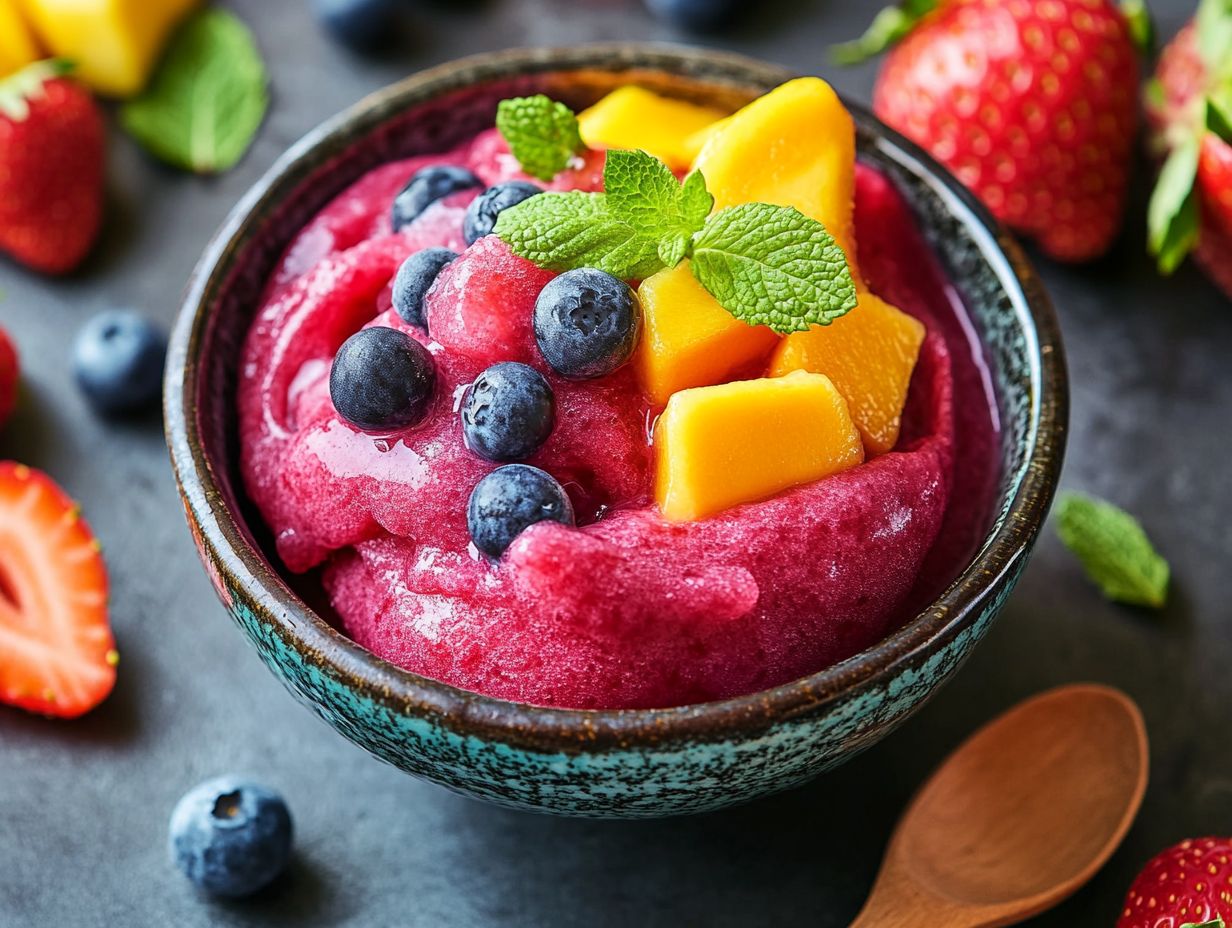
(586, 323)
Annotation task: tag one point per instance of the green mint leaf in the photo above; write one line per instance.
(1113, 549)
(695, 201)
(562, 231)
(541, 133)
(640, 188)
(207, 99)
(774, 266)
(674, 249)
(888, 27)
(1172, 217)
(643, 191)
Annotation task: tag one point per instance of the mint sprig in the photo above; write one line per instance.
(541, 133)
(766, 265)
(1114, 550)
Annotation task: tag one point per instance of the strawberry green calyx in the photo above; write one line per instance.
(1215, 922)
(888, 27)
(1174, 214)
(17, 90)
(1141, 24)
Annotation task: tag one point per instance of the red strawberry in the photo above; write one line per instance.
(51, 168)
(57, 655)
(1030, 103)
(1189, 884)
(8, 377)
(1189, 108)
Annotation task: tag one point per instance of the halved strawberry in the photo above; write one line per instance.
(57, 655)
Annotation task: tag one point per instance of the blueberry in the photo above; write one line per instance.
(426, 186)
(382, 380)
(511, 499)
(362, 25)
(508, 412)
(695, 15)
(414, 278)
(586, 323)
(230, 836)
(118, 361)
(481, 214)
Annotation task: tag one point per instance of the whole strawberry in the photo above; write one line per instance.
(1189, 108)
(9, 371)
(51, 168)
(1185, 885)
(1031, 103)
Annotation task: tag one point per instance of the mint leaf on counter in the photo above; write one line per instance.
(1113, 549)
(541, 133)
(562, 231)
(774, 266)
(207, 99)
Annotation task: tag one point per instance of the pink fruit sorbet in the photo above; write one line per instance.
(626, 610)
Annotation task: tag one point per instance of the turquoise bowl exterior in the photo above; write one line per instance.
(616, 764)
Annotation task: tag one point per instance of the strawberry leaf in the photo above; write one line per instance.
(17, 90)
(1219, 113)
(888, 27)
(1141, 25)
(1172, 217)
(1216, 922)
(1213, 26)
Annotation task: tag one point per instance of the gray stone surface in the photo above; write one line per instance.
(83, 806)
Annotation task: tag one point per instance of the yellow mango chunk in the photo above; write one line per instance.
(633, 117)
(795, 146)
(114, 43)
(869, 354)
(688, 339)
(734, 443)
(18, 47)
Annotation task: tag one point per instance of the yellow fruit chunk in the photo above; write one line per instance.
(869, 354)
(689, 340)
(114, 43)
(633, 117)
(734, 443)
(17, 45)
(795, 146)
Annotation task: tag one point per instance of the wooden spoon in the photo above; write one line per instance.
(1019, 817)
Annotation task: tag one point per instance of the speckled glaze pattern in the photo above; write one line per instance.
(607, 763)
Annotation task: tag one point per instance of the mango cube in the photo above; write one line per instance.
(18, 47)
(689, 340)
(740, 442)
(114, 43)
(795, 146)
(633, 117)
(869, 354)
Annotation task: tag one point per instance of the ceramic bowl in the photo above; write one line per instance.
(597, 763)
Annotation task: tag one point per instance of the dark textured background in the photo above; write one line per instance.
(83, 806)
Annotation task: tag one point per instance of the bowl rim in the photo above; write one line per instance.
(549, 729)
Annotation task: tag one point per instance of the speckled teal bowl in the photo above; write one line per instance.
(609, 763)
